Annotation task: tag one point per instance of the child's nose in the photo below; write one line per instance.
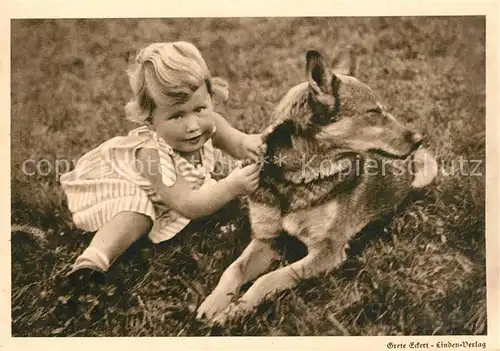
(192, 124)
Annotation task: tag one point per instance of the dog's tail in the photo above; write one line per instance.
(425, 168)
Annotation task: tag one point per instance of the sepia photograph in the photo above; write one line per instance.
(248, 176)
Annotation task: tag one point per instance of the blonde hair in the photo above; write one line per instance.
(167, 74)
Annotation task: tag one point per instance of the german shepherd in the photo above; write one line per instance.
(335, 161)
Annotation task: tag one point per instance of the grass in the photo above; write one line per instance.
(420, 272)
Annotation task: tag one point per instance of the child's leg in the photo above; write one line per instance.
(113, 239)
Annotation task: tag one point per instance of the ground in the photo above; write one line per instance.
(420, 272)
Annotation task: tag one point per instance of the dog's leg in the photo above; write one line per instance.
(322, 259)
(255, 259)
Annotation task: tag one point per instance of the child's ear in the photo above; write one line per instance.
(220, 90)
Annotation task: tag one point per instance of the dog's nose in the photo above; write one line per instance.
(415, 137)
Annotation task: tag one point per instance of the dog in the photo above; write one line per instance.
(335, 161)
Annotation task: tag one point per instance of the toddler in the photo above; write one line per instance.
(157, 178)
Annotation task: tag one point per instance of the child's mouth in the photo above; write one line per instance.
(194, 140)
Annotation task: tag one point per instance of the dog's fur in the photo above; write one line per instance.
(340, 161)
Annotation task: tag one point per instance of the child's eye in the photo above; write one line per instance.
(176, 116)
(199, 109)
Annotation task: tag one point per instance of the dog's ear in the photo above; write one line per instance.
(323, 86)
(345, 63)
(319, 77)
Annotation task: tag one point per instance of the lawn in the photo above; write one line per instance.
(421, 272)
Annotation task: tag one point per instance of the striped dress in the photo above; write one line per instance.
(107, 181)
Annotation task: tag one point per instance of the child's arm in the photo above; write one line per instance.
(195, 203)
(234, 142)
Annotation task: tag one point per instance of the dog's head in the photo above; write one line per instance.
(339, 111)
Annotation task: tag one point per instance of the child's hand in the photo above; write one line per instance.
(253, 147)
(244, 180)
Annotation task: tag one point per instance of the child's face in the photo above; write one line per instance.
(186, 127)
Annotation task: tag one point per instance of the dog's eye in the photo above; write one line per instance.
(374, 110)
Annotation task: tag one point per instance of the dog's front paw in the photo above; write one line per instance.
(231, 313)
(213, 305)
(234, 312)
